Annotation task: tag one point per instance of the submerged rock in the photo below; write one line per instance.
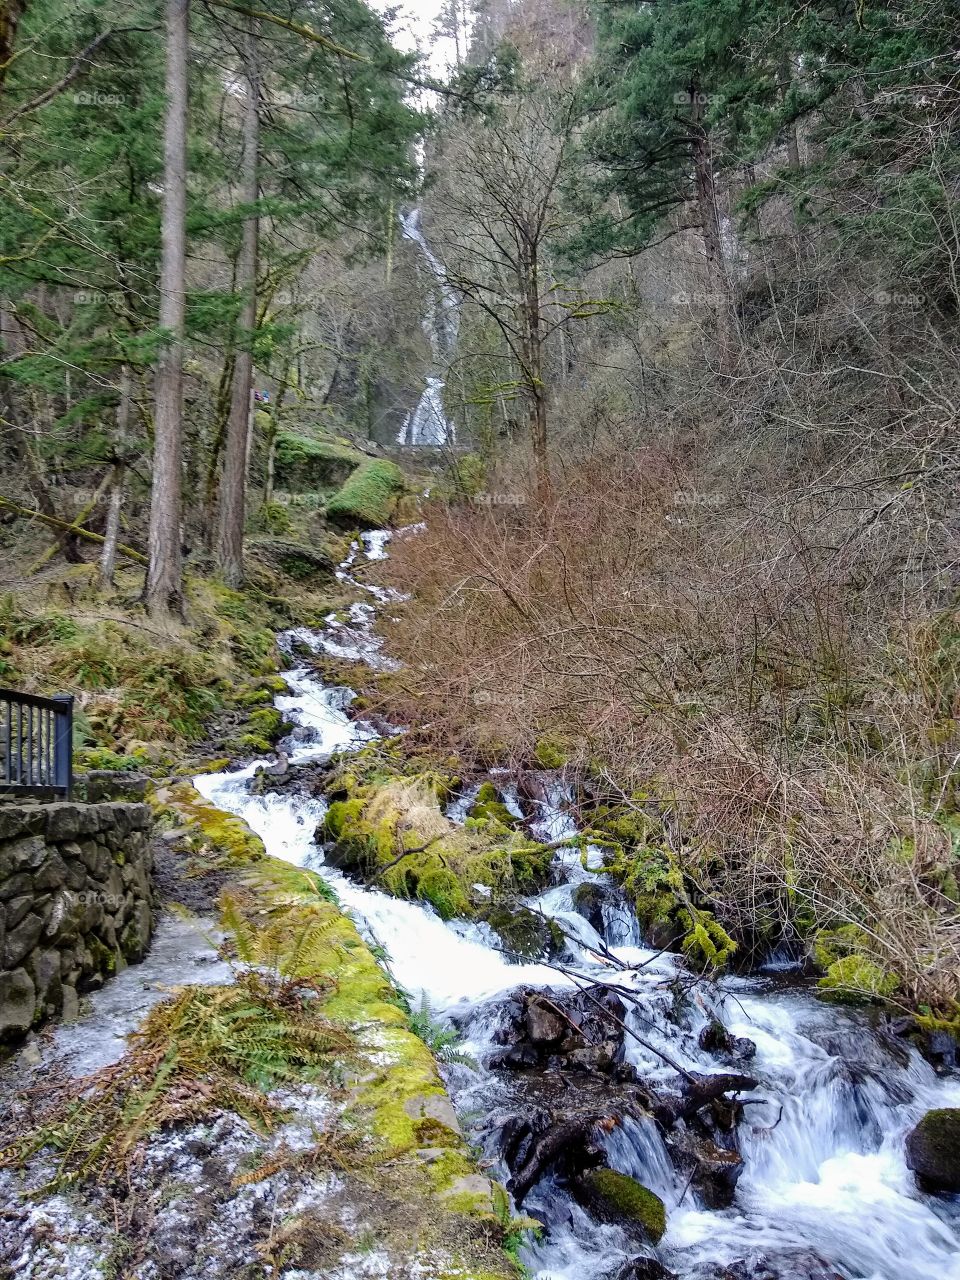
(645, 1269)
(933, 1150)
(715, 1038)
(799, 1264)
(618, 1198)
(525, 934)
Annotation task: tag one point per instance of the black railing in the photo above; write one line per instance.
(36, 744)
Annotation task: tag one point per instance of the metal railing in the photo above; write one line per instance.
(36, 744)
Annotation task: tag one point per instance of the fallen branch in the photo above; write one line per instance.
(66, 527)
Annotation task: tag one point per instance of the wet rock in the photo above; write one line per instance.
(714, 1170)
(800, 1264)
(619, 1199)
(544, 1026)
(588, 901)
(525, 934)
(715, 1038)
(645, 1269)
(933, 1150)
(574, 1031)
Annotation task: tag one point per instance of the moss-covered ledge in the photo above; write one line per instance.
(409, 1170)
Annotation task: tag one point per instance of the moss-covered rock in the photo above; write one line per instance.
(368, 497)
(616, 1197)
(524, 934)
(856, 978)
(217, 837)
(388, 827)
(489, 807)
(933, 1150)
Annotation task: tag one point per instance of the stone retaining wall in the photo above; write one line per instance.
(75, 904)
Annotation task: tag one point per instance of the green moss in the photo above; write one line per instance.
(489, 807)
(251, 744)
(267, 722)
(705, 941)
(855, 978)
(390, 828)
(628, 1199)
(368, 497)
(214, 834)
(830, 945)
(551, 752)
(525, 934)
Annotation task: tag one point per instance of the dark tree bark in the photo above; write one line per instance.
(108, 556)
(11, 11)
(233, 482)
(163, 591)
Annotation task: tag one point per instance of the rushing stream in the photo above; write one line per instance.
(825, 1191)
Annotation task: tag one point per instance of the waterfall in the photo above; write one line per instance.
(427, 425)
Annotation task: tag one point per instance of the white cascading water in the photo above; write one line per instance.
(825, 1176)
(427, 425)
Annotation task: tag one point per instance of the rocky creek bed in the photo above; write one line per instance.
(652, 1123)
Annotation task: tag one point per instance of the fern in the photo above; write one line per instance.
(443, 1042)
(206, 1049)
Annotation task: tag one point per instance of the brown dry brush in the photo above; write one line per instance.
(781, 666)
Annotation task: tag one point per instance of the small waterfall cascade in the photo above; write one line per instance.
(426, 425)
(825, 1193)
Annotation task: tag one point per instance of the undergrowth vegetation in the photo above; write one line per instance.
(204, 1050)
(785, 713)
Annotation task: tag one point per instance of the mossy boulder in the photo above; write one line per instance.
(368, 497)
(389, 828)
(933, 1150)
(617, 1198)
(306, 463)
(489, 807)
(210, 833)
(524, 934)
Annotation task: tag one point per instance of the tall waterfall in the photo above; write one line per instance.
(427, 424)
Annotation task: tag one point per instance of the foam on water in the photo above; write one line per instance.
(824, 1135)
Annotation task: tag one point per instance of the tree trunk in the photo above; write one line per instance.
(108, 556)
(163, 590)
(272, 433)
(11, 11)
(533, 372)
(233, 480)
(706, 189)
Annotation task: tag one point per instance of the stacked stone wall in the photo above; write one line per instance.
(76, 904)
